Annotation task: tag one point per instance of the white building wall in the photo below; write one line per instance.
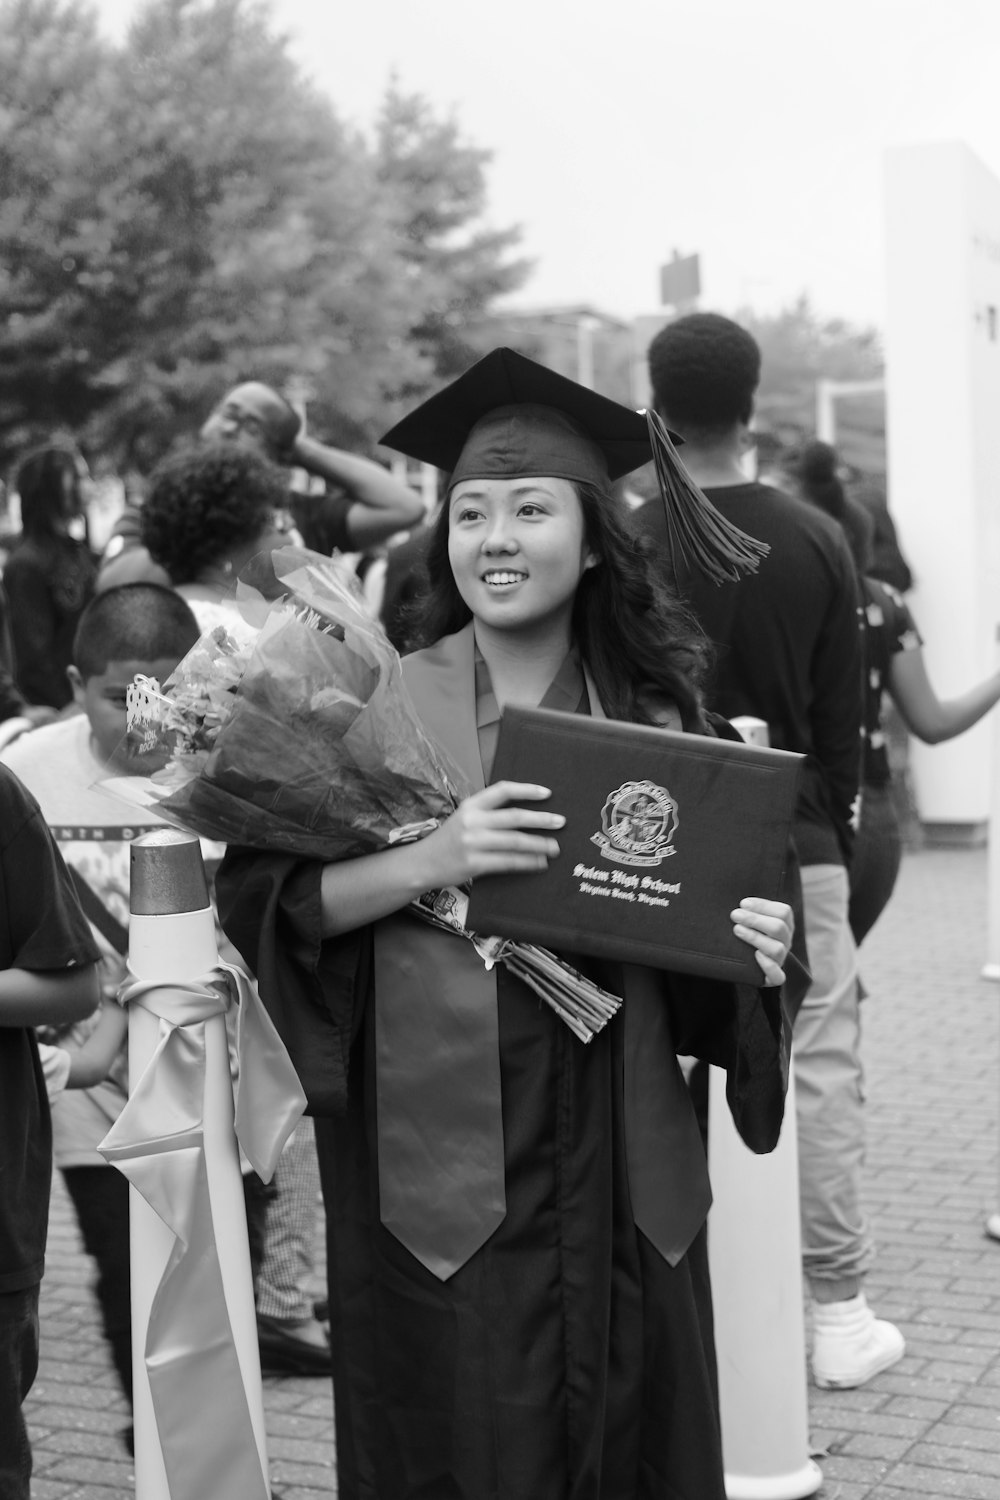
(943, 414)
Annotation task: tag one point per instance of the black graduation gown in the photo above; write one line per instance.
(566, 1357)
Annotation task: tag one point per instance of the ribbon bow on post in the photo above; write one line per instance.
(202, 1405)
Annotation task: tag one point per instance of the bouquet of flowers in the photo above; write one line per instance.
(303, 738)
(298, 735)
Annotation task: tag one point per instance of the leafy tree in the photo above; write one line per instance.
(54, 72)
(250, 237)
(186, 210)
(436, 184)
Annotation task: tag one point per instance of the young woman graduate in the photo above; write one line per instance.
(517, 1257)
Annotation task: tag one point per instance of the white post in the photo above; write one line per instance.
(754, 1248)
(991, 968)
(172, 941)
(826, 420)
(943, 362)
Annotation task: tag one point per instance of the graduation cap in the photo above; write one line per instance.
(509, 418)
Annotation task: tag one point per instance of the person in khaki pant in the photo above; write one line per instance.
(789, 651)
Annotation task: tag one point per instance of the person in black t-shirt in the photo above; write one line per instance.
(789, 651)
(47, 974)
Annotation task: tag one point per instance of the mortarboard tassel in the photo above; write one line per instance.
(698, 535)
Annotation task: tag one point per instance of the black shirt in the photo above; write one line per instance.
(788, 641)
(41, 927)
(322, 521)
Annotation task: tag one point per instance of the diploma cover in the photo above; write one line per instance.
(665, 834)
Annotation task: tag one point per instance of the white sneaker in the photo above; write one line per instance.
(851, 1345)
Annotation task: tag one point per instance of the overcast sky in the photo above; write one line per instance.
(750, 131)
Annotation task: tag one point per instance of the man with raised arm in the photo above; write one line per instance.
(371, 504)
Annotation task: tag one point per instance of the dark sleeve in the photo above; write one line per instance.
(34, 622)
(837, 694)
(746, 1031)
(743, 1029)
(797, 976)
(315, 991)
(322, 521)
(45, 927)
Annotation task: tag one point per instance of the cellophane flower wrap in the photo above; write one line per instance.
(303, 739)
(292, 731)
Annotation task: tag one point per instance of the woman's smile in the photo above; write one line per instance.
(503, 578)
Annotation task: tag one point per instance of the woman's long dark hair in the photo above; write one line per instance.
(39, 484)
(814, 467)
(642, 646)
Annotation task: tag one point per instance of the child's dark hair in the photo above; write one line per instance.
(704, 370)
(133, 622)
(40, 484)
(206, 500)
(642, 646)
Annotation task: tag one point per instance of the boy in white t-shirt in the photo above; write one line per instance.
(135, 628)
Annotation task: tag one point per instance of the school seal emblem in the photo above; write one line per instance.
(638, 824)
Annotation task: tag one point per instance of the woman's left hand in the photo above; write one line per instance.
(767, 926)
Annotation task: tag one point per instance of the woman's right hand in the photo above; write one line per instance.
(492, 833)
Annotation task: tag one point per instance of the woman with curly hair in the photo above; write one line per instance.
(517, 1253)
(208, 512)
(50, 576)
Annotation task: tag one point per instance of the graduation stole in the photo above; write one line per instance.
(437, 1059)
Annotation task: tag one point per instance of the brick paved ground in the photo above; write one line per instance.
(930, 1427)
(76, 1412)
